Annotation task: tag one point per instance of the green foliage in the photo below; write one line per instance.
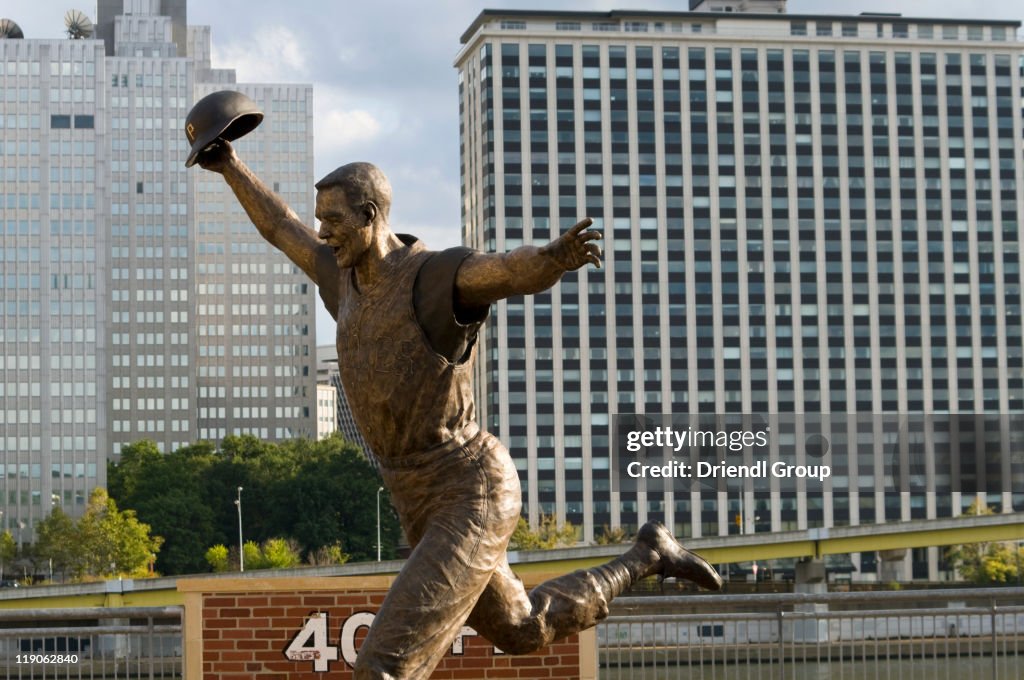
(317, 494)
(327, 555)
(253, 555)
(57, 539)
(104, 543)
(611, 536)
(548, 535)
(986, 563)
(275, 553)
(217, 557)
(8, 551)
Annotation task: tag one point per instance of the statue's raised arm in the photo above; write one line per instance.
(277, 222)
(487, 278)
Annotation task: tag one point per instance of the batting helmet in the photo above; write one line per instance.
(221, 115)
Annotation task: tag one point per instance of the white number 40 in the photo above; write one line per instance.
(310, 644)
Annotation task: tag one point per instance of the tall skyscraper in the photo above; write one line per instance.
(146, 90)
(802, 215)
(138, 303)
(54, 159)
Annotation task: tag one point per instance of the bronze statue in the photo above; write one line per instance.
(407, 325)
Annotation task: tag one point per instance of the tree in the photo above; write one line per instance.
(316, 493)
(548, 535)
(8, 551)
(114, 542)
(327, 555)
(611, 536)
(217, 556)
(986, 563)
(174, 494)
(57, 542)
(279, 553)
(275, 553)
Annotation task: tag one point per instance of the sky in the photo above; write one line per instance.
(384, 86)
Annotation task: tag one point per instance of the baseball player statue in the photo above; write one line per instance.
(408, 320)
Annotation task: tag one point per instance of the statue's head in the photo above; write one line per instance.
(352, 204)
(361, 183)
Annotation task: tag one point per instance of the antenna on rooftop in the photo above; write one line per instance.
(10, 29)
(78, 25)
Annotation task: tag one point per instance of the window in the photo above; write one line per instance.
(84, 122)
(513, 25)
(60, 122)
(567, 25)
(798, 28)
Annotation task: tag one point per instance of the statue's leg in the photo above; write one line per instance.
(459, 513)
(520, 623)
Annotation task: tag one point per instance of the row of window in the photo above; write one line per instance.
(64, 121)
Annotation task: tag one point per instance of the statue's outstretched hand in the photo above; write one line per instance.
(217, 157)
(576, 247)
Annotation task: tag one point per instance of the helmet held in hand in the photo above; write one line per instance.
(226, 114)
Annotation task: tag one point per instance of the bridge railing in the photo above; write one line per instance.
(832, 636)
(92, 643)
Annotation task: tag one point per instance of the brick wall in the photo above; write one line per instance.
(243, 628)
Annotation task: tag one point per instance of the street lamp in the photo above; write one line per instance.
(379, 489)
(241, 546)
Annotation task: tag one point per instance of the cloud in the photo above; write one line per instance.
(277, 56)
(339, 129)
(347, 127)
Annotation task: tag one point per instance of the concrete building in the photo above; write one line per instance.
(146, 89)
(134, 304)
(326, 410)
(327, 373)
(55, 155)
(803, 214)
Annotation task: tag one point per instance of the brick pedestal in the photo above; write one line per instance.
(243, 628)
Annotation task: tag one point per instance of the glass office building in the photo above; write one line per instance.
(802, 215)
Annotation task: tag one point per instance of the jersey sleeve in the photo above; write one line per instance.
(450, 331)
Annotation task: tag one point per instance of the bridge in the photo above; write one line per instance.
(535, 566)
(809, 543)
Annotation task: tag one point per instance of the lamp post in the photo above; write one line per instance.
(379, 489)
(241, 546)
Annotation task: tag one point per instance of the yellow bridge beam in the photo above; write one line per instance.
(813, 543)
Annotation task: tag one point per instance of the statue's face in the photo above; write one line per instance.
(343, 227)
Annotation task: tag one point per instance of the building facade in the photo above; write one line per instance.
(326, 410)
(802, 215)
(135, 306)
(54, 160)
(328, 373)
